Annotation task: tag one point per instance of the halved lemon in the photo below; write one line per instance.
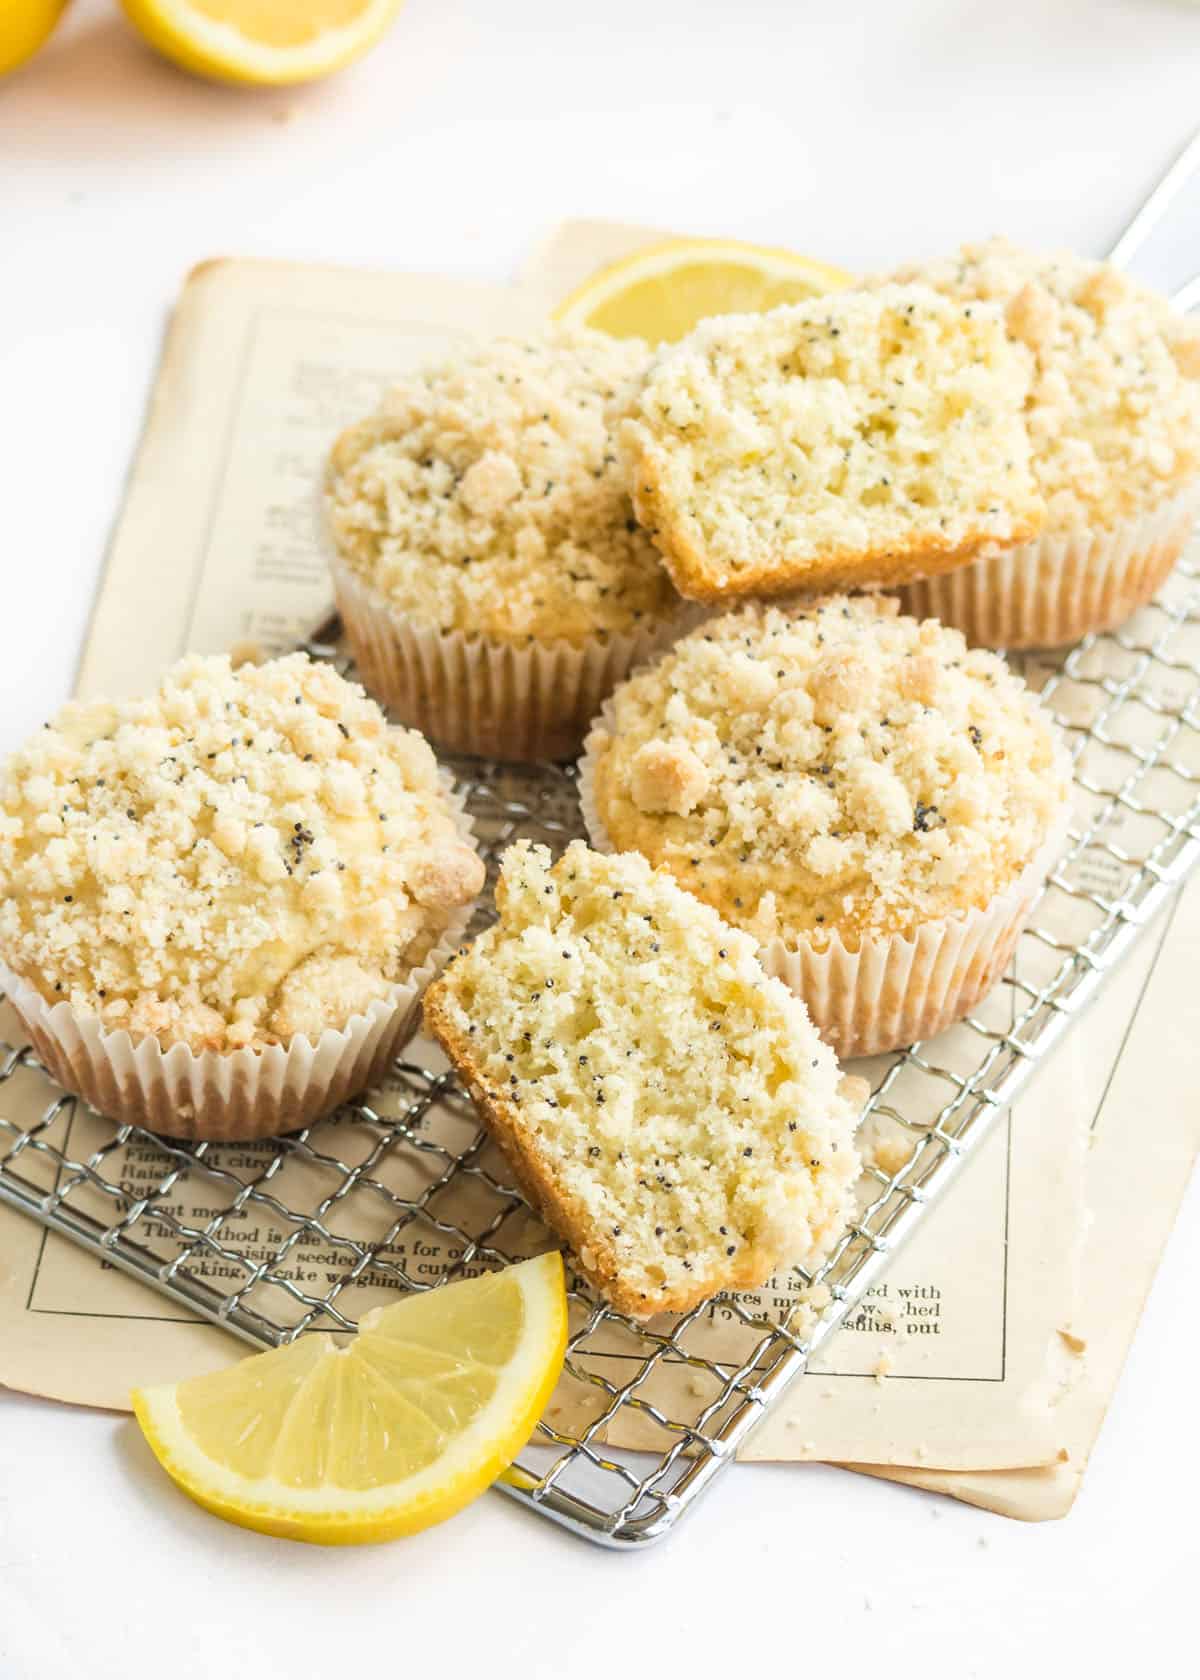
(265, 42)
(25, 25)
(660, 293)
(377, 1436)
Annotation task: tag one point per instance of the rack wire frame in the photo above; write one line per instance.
(1130, 703)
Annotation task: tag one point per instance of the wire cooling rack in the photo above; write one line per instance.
(404, 1190)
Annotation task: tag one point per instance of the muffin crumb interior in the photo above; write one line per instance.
(833, 436)
(670, 1106)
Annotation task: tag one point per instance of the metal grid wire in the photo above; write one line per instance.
(403, 1190)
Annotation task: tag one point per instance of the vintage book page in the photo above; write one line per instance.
(263, 365)
(1134, 1181)
(962, 1367)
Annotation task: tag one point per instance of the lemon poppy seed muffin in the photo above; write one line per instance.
(838, 781)
(665, 1104)
(1114, 405)
(865, 437)
(482, 519)
(1113, 413)
(486, 494)
(240, 860)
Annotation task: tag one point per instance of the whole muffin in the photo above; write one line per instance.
(869, 799)
(493, 581)
(219, 903)
(1113, 415)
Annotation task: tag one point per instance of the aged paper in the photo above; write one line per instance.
(264, 363)
(1135, 1177)
(961, 1364)
(957, 1361)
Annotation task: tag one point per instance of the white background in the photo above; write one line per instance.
(859, 131)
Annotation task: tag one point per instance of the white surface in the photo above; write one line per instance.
(861, 132)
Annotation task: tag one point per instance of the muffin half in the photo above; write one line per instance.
(871, 801)
(665, 1104)
(219, 904)
(491, 576)
(862, 438)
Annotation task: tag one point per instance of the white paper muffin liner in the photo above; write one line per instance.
(226, 1095)
(892, 990)
(1063, 584)
(474, 693)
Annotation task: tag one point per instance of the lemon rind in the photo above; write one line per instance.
(218, 49)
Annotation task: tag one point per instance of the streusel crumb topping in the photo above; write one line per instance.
(1114, 409)
(239, 857)
(829, 767)
(487, 494)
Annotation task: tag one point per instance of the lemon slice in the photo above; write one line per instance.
(381, 1435)
(266, 42)
(661, 292)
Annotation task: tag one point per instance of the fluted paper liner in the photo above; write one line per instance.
(474, 693)
(226, 1095)
(892, 990)
(1063, 584)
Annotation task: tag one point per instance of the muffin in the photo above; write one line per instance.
(1114, 417)
(492, 579)
(862, 438)
(665, 1104)
(874, 803)
(219, 903)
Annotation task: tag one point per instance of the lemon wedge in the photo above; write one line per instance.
(262, 42)
(661, 292)
(381, 1435)
(25, 25)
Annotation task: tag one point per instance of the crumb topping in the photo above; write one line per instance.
(832, 766)
(680, 1101)
(848, 425)
(487, 493)
(1114, 407)
(241, 856)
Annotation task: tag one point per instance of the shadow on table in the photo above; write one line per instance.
(97, 90)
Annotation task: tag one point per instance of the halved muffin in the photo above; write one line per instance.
(862, 438)
(665, 1104)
